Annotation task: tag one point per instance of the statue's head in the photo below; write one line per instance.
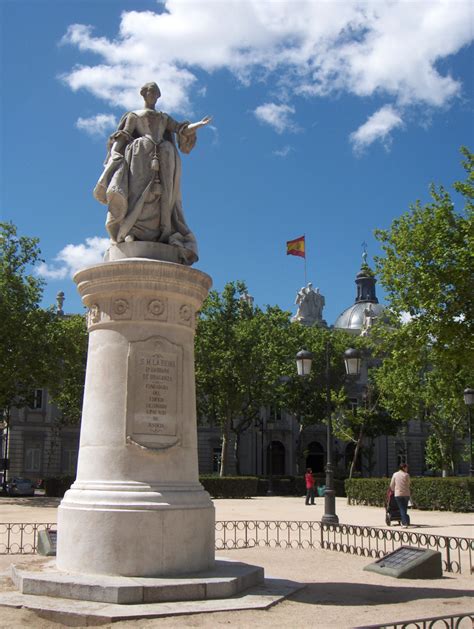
(150, 91)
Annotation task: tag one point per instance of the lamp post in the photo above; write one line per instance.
(303, 364)
(4, 434)
(353, 363)
(469, 401)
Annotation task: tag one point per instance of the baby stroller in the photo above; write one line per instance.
(392, 512)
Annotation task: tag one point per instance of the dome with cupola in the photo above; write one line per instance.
(358, 318)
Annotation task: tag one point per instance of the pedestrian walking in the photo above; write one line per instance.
(400, 485)
(309, 480)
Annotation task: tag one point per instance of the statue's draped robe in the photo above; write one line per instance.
(144, 203)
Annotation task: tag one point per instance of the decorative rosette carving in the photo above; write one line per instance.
(121, 308)
(186, 314)
(156, 308)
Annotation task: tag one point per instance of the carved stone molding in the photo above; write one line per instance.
(157, 309)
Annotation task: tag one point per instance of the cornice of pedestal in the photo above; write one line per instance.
(140, 290)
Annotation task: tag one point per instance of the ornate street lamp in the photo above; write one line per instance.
(352, 361)
(303, 364)
(469, 401)
(304, 360)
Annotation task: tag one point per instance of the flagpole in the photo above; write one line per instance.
(305, 276)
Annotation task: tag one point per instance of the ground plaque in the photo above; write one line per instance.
(409, 563)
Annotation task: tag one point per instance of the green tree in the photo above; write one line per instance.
(24, 348)
(235, 363)
(364, 423)
(245, 361)
(428, 274)
(38, 347)
(312, 398)
(68, 338)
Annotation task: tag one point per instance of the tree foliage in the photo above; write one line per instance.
(24, 347)
(428, 275)
(69, 339)
(364, 423)
(245, 361)
(38, 347)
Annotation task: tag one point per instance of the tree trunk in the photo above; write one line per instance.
(5, 445)
(356, 451)
(237, 452)
(224, 471)
(298, 451)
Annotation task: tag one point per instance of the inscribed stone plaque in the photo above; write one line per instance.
(409, 563)
(154, 377)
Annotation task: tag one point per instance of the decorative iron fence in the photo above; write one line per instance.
(459, 621)
(20, 539)
(365, 541)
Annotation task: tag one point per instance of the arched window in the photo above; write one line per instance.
(315, 457)
(277, 451)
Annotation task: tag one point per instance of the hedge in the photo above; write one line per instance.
(57, 486)
(230, 486)
(249, 486)
(435, 494)
(224, 487)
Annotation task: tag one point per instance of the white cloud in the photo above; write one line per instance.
(284, 151)
(97, 125)
(277, 116)
(390, 48)
(74, 257)
(378, 127)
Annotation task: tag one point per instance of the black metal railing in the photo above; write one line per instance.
(458, 621)
(21, 539)
(457, 552)
(365, 541)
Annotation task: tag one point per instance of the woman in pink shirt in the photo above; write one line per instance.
(309, 479)
(400, 485)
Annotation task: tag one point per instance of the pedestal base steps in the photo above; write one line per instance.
(97, 599)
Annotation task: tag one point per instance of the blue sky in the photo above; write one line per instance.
(329, 119)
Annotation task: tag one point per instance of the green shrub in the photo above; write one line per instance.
(438, 494)
(57, 486)
(230, 486)
(248, 486)
(443, 494)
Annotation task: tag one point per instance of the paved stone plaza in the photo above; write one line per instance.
(338, 593)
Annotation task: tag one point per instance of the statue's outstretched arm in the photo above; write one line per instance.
(192, 127)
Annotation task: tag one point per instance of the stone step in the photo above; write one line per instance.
(227, 579)
(68, 612)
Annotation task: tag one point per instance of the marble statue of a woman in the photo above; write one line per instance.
(141, 181)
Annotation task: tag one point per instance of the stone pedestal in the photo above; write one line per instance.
(137, 507)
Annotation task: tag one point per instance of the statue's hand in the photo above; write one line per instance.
(193, 126)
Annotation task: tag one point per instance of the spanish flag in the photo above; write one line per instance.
(296, 247)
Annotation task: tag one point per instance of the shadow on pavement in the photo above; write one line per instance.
(371, 594)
